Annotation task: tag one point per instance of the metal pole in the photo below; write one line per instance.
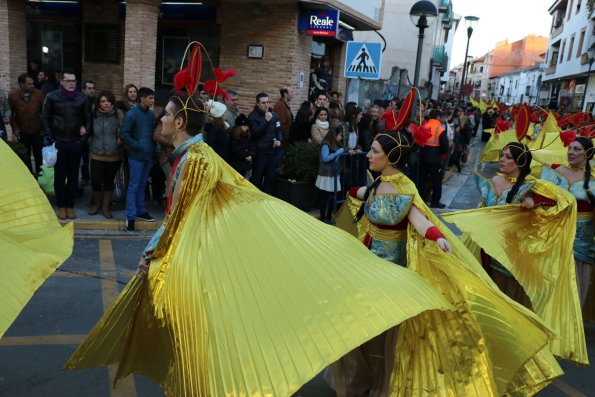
(420, 43)
(469, 33)
(586, 86)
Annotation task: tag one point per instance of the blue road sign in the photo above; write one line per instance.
(363, 60)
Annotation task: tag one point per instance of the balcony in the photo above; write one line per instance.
(551, 69)
(443, 6)
(439, 56)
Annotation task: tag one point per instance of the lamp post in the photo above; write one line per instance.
(423, 14)
(470, 22)
(591, 55)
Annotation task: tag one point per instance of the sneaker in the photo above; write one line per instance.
(145, 217)
(129, 225)
(437, 205)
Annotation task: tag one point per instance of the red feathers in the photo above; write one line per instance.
(189, 77)
(568, 137)
(421, 133)
(181, 80)
(213, 87)
(501, 126)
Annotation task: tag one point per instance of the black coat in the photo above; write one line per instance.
(239, 149)
(217, 140)
(62, 119)
(264, 132)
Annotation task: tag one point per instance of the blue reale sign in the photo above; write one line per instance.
(363, 60)
(319, 22)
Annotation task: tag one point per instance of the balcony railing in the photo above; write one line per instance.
(443, 6)
(551, 69)
(439, 57)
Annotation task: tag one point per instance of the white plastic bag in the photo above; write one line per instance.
(50, 155)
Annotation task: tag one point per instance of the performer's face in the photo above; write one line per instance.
(577, 157)
(377, 158)
(168, 121)
(507, 165)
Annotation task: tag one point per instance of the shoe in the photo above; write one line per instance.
(106, 204)
(437, 205)
(70, 213)
(145, 217)
(96, 203)
(129, 225)
(62, 213)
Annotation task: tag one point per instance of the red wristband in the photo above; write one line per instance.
(433, 233)
(353, 191)
(541, 201)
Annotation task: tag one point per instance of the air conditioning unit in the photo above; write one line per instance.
(579, 89)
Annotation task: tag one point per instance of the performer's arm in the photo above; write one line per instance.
(427, 229)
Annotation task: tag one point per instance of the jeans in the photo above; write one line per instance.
(135, 195)
(66, 173)
(265, 165)
(33, 143)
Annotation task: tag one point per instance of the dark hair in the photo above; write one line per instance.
(434, 113)
(144, 92)
(108, 95)
(335, 93)
(522, 158)
(194, 117)
(283, 91)
(22, 77)
(366, 122)
(87, 82)
(331, 139)
(350, 115)
(322, 93)
(260, 96)
(232, 92)
(125, 92)
(66, 71)
(399, 157)
(318, 111)
(587, 145)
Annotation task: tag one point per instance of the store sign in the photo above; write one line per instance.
(181, 12)
(319, 22)
(52, 9)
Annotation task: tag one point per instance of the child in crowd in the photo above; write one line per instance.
(241, 147)
(331, 149)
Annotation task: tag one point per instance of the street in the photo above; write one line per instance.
(71, 301)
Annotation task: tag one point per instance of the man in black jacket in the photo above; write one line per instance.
(267, 136)
(66, 117)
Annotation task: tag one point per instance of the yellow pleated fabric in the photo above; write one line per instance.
(32, 242)
(536, 247)
(491, 151)
(489, 346)
(249, 296)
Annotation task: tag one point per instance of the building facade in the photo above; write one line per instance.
(520, 86)
(142, 41)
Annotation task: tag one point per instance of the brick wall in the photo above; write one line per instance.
(286, 52)
(13, 42)
(140, 42)
(107, 76)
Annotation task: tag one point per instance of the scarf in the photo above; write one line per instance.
(322, 124)
(26, 96)
(69, 95)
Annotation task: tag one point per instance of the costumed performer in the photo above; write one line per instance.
(577, 178)
(528, 254)
(32, 242)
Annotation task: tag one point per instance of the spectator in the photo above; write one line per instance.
(129, 98)
(365, 128)
(320, 126)
(377, 124)
(5, 114)
(66, 120)
(433, 155)
(43, 83)
(321, 101)
(26, 103)
(105, 151)
(89, 91)
(301, 127)
(241, 147)
(267, 136)
(233, 111)
(137, 135)
(325, 181)
(487, 122)
(216, 129)
(323, 75)
(283, 111)
(350, 129)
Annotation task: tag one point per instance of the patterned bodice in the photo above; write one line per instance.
(576, 189)
(388, 209)
(489, 194)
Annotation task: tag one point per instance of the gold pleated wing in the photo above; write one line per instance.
(249, 296)
(32, 242)
(536, 247)
(491, 151)
(489, 346)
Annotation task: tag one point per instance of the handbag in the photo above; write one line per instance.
(465, 155)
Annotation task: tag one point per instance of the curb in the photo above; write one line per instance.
(117, 225)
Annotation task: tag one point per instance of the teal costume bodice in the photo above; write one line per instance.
(584, 247)
(385, 212)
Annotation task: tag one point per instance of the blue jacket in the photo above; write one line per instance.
(263, 131)
(137, 133)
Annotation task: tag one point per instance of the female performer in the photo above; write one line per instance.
(529, 251)
(576, 178)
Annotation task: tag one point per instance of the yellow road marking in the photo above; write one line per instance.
(41, 340)
(109, 293)
(114, 237)
(567, 389)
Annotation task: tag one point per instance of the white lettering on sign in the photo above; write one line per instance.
(315, 21)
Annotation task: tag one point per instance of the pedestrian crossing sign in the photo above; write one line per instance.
(362, 60)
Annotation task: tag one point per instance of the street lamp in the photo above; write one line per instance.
(591, 54)
(423, 14)
(470, 22)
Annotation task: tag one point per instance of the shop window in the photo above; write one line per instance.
(102, 43)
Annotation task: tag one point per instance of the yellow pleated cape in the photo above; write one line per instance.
(249, 296)
(32, 242)
(536, 247)
(504, 342)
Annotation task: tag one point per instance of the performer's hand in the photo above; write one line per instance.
(528, 203)
(143, 268)
(444, 245)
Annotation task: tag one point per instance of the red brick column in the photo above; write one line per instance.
(140, 42)
(13, 42)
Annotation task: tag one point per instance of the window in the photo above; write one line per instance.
(562, 52)
(578, 6)
(481, 69)
(516, 84)
(570, 47)
(527, 90)
(569, 10)
(580, 42)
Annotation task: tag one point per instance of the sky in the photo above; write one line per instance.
(498, 20)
